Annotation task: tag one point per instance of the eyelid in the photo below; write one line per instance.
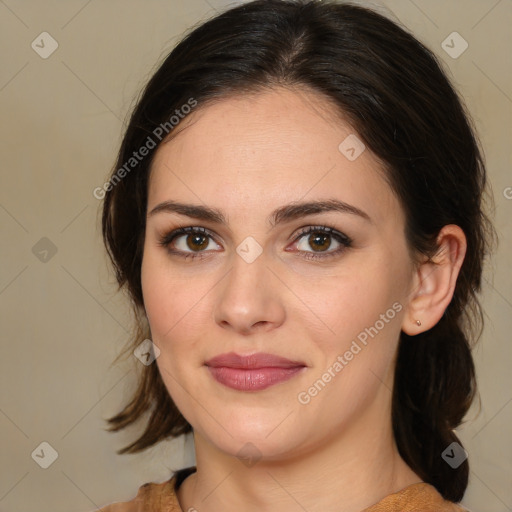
(342, 239)
(322, 229)
(170, 236)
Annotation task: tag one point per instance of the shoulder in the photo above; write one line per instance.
(420, 496)
(151, 497)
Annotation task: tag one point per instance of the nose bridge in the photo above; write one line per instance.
(248, 296)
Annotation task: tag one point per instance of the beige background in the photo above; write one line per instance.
(63, 324)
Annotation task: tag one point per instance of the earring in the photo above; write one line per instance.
(418, 323)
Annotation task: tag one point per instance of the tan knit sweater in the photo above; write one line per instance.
(161, 497)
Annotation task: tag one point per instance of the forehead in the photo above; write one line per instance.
(265, 149)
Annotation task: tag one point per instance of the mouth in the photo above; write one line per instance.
(253, 372)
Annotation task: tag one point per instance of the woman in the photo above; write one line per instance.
(302, 239)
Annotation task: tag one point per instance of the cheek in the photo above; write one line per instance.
(176, 307)
(166, 297)
(343, 305)
(361, 310)
(172, 308)
(158, 301)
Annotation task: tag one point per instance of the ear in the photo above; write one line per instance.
(434, 282)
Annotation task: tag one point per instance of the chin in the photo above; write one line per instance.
(257, 443)
(251, 450)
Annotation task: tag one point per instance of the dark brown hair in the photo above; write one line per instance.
(395, 95)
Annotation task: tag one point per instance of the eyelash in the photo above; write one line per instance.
(344, 240)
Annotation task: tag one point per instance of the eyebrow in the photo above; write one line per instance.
(282, 214)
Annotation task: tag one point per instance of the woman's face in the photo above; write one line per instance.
(332, 301)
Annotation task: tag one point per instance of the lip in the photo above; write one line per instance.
(259, 360)
(253, 372)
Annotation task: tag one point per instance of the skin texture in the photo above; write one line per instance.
(248, 155)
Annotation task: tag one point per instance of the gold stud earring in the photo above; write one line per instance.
(418, 323)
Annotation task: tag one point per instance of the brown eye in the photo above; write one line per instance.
(319, 240)
(189, 242)
(196, 242)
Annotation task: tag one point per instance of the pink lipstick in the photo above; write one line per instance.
(254, 372)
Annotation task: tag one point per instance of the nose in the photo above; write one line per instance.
(250, 298)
